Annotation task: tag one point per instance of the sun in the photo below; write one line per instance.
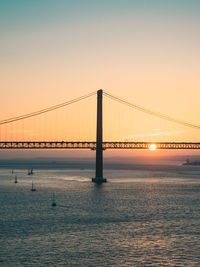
(152, 147)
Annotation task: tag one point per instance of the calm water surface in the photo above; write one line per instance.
(148, 216)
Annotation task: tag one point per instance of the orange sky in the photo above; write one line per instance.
(147, 54)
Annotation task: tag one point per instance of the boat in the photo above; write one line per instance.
(32, 188)
(30, 171)
(53, 204)
(16, 179)
(191, 163)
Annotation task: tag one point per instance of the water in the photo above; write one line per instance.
(147, 216)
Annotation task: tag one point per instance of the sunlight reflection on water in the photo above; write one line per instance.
(138, 218)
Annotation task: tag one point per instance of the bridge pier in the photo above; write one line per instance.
(99, 147)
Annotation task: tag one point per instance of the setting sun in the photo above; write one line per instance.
(152, 147)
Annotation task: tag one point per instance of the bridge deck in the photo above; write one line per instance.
(92, 145)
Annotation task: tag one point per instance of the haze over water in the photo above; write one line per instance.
(145, 216)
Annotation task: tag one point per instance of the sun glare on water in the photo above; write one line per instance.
(152, 147)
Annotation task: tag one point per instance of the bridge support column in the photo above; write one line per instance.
(99, 148)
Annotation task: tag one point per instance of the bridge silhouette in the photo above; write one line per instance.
(99, 145)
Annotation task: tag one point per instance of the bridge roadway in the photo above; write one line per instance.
(92, 145)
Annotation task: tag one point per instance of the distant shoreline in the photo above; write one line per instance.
(89, 163)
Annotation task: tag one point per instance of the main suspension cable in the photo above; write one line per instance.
(150, 112)
(36, 113)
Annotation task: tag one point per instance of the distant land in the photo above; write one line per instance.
(89, 162)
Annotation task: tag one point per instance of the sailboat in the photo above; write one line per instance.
(16, 179)
(53, 204)
(32, 188)
(30, 171)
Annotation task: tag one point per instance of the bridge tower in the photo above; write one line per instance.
(99, 147)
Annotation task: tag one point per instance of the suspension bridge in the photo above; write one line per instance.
(98, 145)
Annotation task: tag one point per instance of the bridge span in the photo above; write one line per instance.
(93, 145)
(99, 145)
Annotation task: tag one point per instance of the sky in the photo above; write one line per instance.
(144, 51)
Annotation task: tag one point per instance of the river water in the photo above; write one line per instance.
(146, 216)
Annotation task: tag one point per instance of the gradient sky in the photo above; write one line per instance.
(144, 51)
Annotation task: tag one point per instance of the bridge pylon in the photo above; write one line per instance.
(99, 137)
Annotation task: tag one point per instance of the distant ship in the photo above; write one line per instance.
(192, 163)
